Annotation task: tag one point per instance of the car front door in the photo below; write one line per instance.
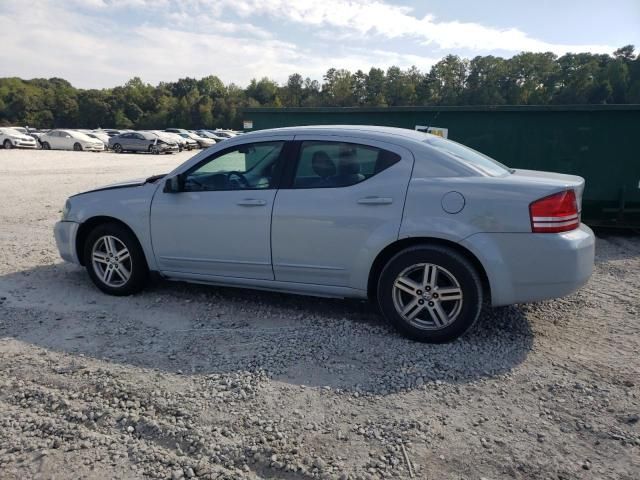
(219, 223)
(138, 142)
(125, 141)
(53, 139)
(66, 140)
(344, 200)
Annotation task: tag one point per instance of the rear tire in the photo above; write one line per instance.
(115, 261)
(77, 147)
(431, 294)
(7, 144)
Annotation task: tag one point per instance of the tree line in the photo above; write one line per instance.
(525, 79)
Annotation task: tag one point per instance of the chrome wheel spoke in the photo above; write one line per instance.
(412, 309)
(108, 273)
(122, 255)
(438, 315)
(110, 246)
(100, 258)
(123, 272)
(406, 285)
(430, 275)
(447, 294)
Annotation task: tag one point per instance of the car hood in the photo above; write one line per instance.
(20, 136)
(127, 184)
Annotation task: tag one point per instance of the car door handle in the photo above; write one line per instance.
(375, 201)
(252, 202)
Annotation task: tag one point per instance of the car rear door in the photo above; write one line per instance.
(344, 203)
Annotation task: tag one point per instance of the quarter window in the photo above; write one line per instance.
(245, 167)
(338, 164)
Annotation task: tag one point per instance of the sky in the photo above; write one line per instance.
(104, 43)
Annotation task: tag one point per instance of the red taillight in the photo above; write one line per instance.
(555, 213)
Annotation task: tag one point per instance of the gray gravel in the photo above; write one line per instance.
(186, 381)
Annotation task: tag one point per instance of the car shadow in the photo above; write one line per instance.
(197, 330)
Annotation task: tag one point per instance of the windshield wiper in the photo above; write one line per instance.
(155, 178)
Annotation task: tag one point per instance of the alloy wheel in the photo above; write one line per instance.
(427, 296)
(111, 261)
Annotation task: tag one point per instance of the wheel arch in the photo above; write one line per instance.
(392, 249)
(88, 225)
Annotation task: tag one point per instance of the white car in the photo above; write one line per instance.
(202, 141)
(12, 138)
(172, 137)
(100, 135)
(70, 140)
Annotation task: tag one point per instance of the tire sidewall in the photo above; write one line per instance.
(7, 144)
(139, 270)
(46, 146)
(77, 147)
(458, 266)
(117, 148)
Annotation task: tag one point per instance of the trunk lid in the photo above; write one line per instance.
(556, 182)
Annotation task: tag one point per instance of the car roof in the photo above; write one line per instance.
(374, 132)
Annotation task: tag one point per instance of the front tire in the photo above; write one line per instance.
(77, 147)
(7, 144)
(117, 148)
(431, 294)
(46, 146)
(115, 261)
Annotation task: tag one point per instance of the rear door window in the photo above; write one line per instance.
(330, 164)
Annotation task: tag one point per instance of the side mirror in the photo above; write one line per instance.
(174, 184)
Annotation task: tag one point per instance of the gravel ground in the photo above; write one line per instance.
(186, 381)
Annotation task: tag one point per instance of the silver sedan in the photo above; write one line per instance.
(426, 228)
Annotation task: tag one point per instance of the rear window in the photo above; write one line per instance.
(469, 156)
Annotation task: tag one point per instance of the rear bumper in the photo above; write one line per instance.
(528, 267)
(65, 233)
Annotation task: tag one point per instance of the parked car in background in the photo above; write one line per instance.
(70, 140)
(191, 143)
(201, 141)
(426, 228)
(141, 142)
(174, 137)
(211, 135)
(225, 133)
(110, 131)
(103, 137)
(11, 137)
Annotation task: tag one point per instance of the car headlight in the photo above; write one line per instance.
(66, 210)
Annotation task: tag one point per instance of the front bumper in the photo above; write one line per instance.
(93, 148)
(65, 233)
(23, 144)
(167, 148)
(528, 267)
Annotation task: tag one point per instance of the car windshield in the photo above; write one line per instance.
(468, 156)
(81, 136)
